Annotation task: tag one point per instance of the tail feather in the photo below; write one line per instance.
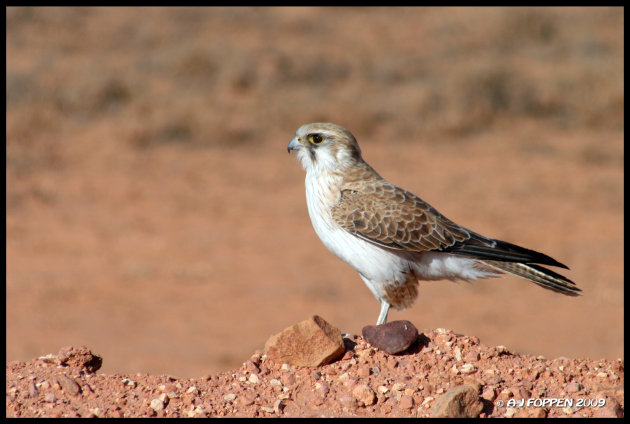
(538, 275)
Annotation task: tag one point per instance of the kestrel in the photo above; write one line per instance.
(390, 236)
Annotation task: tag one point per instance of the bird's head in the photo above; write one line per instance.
(325, 147)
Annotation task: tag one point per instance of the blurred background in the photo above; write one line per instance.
(154, 215)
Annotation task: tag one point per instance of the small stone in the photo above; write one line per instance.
(80, 357)
(348, 402)
(253, 379)
(129, 382)
(398, 387)
(406, 402)
(322, 388)
(501, 350)
(309, 343)
(157, 405)
(489, 394)
(612, 409)
(459, 402)
(252, 367)
(50, 397)
(468, 369)
(229, 397)
(382, 389)
(393, 337)
(364, 395)
(458, 354)
(68, 384)
(510, 412)
(573, 387)
(427, 400)
(471, 356)
(363, 372)
(196, 410)
(32, 390)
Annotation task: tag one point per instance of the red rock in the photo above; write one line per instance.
(393, 337)
(458, 402)
(80, 357)
(68, 384)
(406, 402)
(364, 395)
(309, 343)
(612, 409)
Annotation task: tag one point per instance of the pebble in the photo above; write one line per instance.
(471, 356)
(80, 357)
(68, 384)
(348, 402)
(459, 402)
(612, 409)
(363, 372)
(252, 367)
(393, 337)
(489, 394)
(157, 405)
(406, 402)
(32, 390)
(364, 395)
(310, 343)
(468, 369)
(573, 387)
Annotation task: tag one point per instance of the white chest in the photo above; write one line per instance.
(369, 260)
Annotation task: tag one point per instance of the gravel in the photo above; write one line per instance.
(365, 382)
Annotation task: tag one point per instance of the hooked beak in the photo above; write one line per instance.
(294, 144)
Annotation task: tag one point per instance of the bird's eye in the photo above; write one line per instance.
(315, 139)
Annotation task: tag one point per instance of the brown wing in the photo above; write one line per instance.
(392, 217)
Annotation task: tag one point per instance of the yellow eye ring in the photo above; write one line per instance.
(315, 139)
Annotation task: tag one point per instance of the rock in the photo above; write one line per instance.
(308, 343)
(393, 337)
(573, 387)
(157, 404)
(406, 402)
(364, 395)
(80, 357)
(459, 402)
(68, 384)
(489, 394)
(612, 409)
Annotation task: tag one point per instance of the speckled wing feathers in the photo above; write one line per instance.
(392, 217)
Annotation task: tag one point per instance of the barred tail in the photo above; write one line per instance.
(538, 275)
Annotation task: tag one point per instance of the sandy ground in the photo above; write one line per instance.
(154, 215)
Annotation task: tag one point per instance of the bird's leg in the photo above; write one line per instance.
(382, 317)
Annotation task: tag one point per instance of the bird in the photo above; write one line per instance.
(392, 237)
